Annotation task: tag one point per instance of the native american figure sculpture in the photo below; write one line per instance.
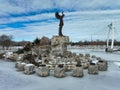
(60, 17)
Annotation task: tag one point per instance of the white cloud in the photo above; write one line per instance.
(78, 25)
(24, 6)
(6, 8)
(26, 18)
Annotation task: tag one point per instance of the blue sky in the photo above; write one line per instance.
(28, 19)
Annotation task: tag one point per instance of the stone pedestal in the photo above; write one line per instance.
(59, 71)
(78, 71)
(59, 44)
(42, 71)
(20, 66)
(29, 69)
(93, 69)
(102, 65)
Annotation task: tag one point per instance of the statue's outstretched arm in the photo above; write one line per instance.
(63, 14)
(57, 15)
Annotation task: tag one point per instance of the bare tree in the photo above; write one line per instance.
(36, 41)
(5, 41)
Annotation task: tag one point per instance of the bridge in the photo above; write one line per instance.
(111, 33)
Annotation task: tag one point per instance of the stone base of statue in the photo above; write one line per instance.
(59, 44)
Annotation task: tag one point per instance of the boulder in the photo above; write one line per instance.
(20, 66)
(85, 65)
(93, 68)
(38, 61)
(74, 54)
(1, 55)
(59, 71)
(81, 55)
(42, 70)
(13, 57)
(45, 60)
(78, 71)
(102, 65)
(69, 67)
(67, 54)
(93, 56)
(87, 55)
(98, 58)
(29, 69)
(44, 41)
(20, 57)
(17, 64)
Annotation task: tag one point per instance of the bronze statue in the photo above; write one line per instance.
(60, 17)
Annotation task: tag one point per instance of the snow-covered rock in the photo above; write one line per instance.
(20, 66)
(37, 60)
(17, 64)
(13, 57)
(29, 69)
(20, 57)
(8, 54)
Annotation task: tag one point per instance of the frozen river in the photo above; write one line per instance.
(99, 53)
(10, 79)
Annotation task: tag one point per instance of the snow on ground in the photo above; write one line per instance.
(10, 79)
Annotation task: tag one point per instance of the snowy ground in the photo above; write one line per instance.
(10, 79)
